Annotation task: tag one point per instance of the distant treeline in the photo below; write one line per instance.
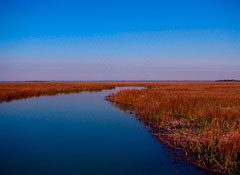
(228, 80)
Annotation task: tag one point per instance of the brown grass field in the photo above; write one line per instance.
(20, 90)
(199, 119)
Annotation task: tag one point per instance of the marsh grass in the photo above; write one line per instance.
(20, 90)
(201, 118)
(11, 91)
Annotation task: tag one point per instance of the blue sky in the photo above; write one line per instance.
(119, 40)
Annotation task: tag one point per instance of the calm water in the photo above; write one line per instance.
(79, 134)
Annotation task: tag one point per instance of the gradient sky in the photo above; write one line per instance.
(119, 40)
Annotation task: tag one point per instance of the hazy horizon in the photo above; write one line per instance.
(119, 40)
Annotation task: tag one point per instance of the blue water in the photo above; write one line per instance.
(79, 134)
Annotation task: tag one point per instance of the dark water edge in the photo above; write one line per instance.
(80, 134)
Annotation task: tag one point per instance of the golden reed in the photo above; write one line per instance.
(201, 119)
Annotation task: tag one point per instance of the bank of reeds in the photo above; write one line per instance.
(20, 90)
(11, 91)
(200, 119)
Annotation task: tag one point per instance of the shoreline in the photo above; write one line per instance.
(199, 120)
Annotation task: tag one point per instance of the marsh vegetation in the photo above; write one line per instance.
(200, 119)
(20, 90)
